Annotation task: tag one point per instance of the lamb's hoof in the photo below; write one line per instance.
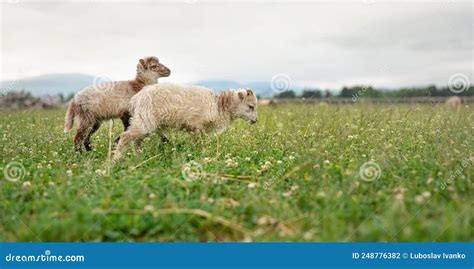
(116, 157)
(88, 147)
(116, 140)
(164, 139)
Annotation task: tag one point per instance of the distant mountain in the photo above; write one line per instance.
(50, 84)
(66, 84)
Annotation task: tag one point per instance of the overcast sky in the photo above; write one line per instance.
(322, 44)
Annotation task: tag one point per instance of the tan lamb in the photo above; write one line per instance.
(192, 108)
(453, 102)
(96, 103)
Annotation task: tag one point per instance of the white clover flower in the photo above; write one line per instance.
(429, 180)
(308, 235)
(262, 220)
(231, 162)
(148, 208)
(426, 194)
(266, 166)
(419, 199)
(399, 196)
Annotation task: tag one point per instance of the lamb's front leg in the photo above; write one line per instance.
(138, 143)
(125, 118)
(196, 131)
(125, 138)
(218, 131)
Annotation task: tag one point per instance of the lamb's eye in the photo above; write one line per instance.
(153, 67)
(251, 107)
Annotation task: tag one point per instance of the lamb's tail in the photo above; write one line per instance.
(69, 119)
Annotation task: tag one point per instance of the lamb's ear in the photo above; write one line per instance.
(249, 92)
(143, 64)
(241, 95)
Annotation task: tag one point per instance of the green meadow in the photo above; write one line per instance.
(360, 172)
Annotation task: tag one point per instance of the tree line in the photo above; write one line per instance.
(371, 92)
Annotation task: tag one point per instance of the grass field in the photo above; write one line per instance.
(302, 173)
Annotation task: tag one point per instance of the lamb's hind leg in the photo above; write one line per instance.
(87, 141)
(126, 123)
(125, 138)
(85, 126)
(80, 134)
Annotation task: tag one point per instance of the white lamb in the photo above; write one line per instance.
(193, 108)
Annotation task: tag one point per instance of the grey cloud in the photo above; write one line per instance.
(321, 44)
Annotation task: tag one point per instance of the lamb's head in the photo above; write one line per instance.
(246, 105)
(150, 69)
